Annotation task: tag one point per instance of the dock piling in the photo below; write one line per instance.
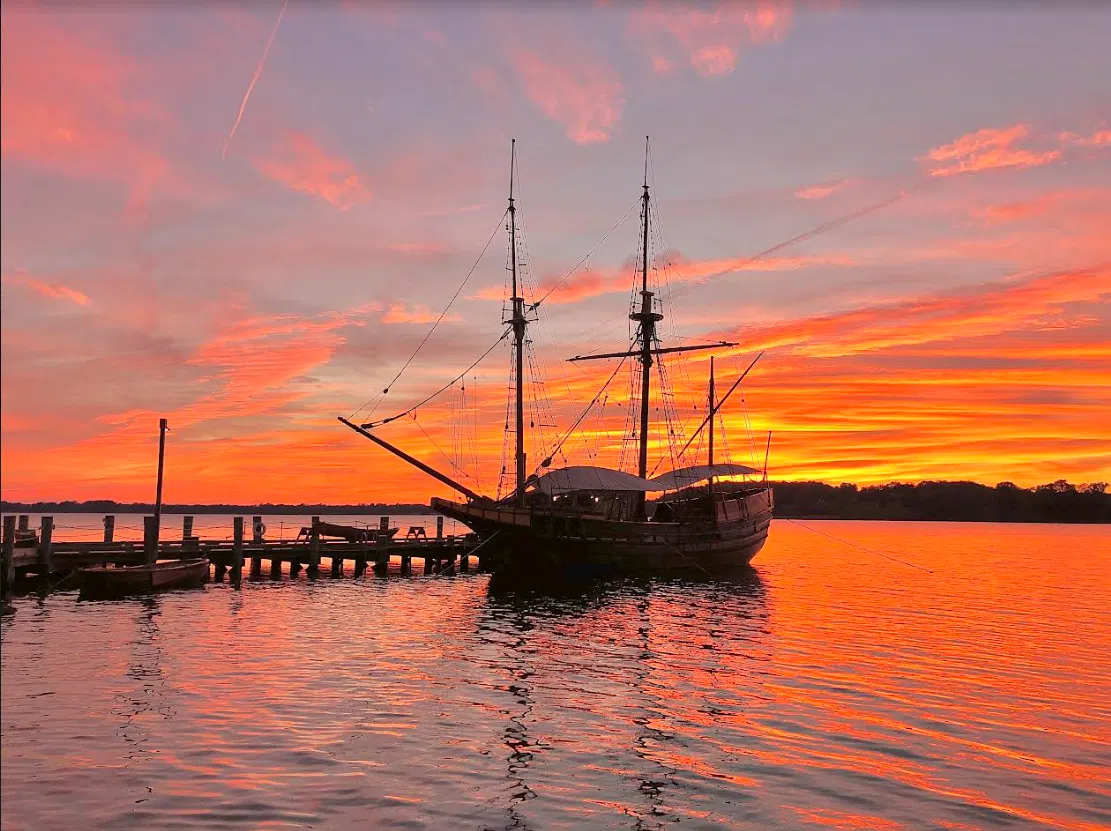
(257, 529)
(439, 528)
(237, 549)
(314, 550)
(24, 522)
(186, 528)
(46, 548)
(150, 539)
(7, 563)
(109, 528)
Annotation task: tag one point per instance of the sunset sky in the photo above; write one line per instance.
(246, 217)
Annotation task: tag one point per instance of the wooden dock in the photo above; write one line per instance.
(31, 553)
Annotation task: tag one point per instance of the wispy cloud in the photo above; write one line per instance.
(1100, 138)
(709, 42)
(590, 282)
(75, 107)
(585, 96)
(400, 313)
(299, 163)
(986, 149)
(55, 291)
(822, 191)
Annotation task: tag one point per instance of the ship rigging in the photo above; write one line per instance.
(717, 515)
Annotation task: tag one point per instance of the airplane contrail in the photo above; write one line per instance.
(254, 78)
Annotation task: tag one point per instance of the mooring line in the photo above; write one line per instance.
(861, 547)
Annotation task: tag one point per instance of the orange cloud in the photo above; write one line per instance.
(299, 163)
(710, 41)
(821, 191)
(583, 95)
(990, 310)
(55, 291)
(986, 149)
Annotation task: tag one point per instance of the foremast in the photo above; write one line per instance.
(518, 321)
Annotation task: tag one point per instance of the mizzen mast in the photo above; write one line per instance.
(518, 321)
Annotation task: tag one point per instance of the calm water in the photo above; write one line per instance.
(831, 689)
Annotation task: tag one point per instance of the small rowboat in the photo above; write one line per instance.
(122, 580)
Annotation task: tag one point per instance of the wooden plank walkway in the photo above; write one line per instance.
(27, 552)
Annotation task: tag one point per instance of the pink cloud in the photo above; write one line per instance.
(821, 191)
(583, 95)
(986, 149)
(709, 41)
(1100, 138)
(55, 291)
(302, 165)
(74, 106)
(399, 313)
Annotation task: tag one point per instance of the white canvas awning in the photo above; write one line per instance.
(587, 478)
(684, 477)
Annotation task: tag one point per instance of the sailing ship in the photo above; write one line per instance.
(711, 516)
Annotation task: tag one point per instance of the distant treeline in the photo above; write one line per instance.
(946, 502)
(939, 501)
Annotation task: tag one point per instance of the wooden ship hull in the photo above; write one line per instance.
(123, 580)
(547, 538)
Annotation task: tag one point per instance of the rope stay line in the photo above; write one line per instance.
(589, 254)
(813, 232)
(856, 545)
(442, 389)
(439, 320)
(571, 430)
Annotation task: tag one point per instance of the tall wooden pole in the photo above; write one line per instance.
(162, 428)
(711, 483)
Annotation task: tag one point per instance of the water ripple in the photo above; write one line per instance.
(825, 689)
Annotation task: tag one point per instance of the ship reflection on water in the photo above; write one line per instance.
(520, 616)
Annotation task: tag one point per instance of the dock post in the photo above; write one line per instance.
(381, 554)
(464, 558)
(46, 547)
(109, 528)
(186, 528)
(8, 561)
(256, 529)
(314, 553)
(150, 539)
(439, 528)
(337, 564)
(237, 549)
(24, 522)
(256, 565)
(360, 560)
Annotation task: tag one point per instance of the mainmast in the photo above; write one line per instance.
(647, 320)
(518, 322)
